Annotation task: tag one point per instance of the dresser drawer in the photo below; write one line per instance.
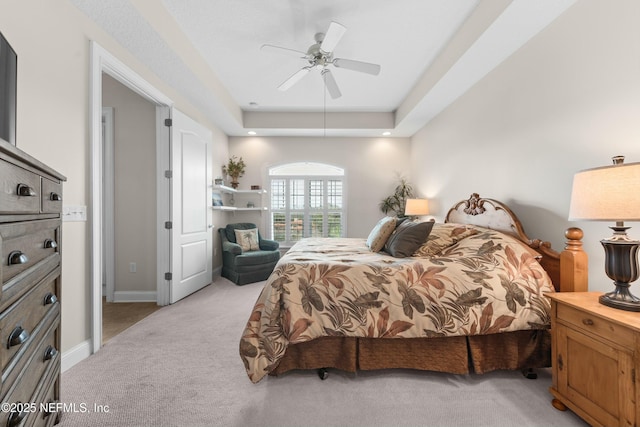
(47, 417)
(19, 322)
(29, 395)
(14, 180)
(25, 244)
(595, 325)
(45, 344)
(51, 196)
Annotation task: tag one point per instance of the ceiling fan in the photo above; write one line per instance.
(320, 56)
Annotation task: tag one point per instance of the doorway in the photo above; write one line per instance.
(183, 176)
(103, 63)
(128, 237)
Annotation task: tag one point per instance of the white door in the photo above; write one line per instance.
(191, 236)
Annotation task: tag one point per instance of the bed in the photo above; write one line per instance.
(470, 298)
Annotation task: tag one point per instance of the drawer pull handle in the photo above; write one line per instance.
(25, 190)
(55, 197)
(587, 322)
(50, 299)
(50, 404)
(17, 257)
(50, 353)
(50, 244)
(15, 418)
(560, 362)
(18, 336)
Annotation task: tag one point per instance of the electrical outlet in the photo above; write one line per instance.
(133, 267)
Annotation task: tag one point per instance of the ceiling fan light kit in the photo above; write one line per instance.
(320, 55)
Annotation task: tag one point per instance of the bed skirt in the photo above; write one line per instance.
(457, 355)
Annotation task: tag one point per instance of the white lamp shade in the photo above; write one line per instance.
(610, 193)
(416, 207)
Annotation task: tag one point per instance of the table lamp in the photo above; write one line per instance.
(612, 193)
(416, 207)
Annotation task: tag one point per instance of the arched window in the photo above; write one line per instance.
(307, 200)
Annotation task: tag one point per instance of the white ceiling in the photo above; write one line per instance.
(430, 52)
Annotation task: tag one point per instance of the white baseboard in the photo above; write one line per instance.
(134, 296)
(76, 355)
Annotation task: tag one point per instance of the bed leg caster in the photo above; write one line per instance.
(529, 374)
(323, 373)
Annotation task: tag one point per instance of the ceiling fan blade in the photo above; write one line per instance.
(363, 67)
(331, 84)
(280, 49)
(332, 37)
(294, 78)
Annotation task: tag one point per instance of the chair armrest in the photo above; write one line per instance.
(231, 247)
(269, 245)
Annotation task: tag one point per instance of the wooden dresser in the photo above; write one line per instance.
(30, 245)
(596, 359)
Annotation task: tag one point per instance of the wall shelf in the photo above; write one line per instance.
(233, 208)
(247, 193)
(230, 190)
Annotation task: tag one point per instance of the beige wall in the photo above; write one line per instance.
(51, 39)
(134, 188)
(568, 100)
(372, 168)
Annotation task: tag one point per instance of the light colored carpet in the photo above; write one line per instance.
(180, 367)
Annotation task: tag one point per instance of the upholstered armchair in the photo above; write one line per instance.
(255, 261)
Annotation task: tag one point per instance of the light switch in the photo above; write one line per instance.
(74, 213)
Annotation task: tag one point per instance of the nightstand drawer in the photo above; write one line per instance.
(596, 325)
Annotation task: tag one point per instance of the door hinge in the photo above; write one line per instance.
(168, 122)
(168, 225)
(168, 276)
(168, 174)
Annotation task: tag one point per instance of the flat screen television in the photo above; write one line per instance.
(8, 78)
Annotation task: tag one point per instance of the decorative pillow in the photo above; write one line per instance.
(248, 239)
(407, 238)
(380, 233)
(443, 236)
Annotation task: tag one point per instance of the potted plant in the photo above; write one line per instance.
(395, 203)
(235, 169)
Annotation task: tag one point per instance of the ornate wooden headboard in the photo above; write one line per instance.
(567, 269)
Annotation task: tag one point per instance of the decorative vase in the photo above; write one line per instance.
(234, 182)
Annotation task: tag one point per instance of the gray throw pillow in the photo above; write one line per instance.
(407, 238)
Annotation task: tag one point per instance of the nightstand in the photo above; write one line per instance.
(596, 357)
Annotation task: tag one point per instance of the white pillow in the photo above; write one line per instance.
(380, 233)
(248, 239)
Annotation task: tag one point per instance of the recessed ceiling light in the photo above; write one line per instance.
(387, 133)
(252, 132)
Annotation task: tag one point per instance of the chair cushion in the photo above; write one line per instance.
(257, 257)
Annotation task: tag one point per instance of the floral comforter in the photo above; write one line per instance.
(485, 283)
